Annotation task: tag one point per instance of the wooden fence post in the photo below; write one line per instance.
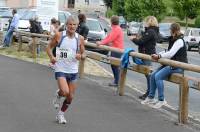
(183, 101)
(122, 81)
(81, 67)
(34, 47)
(20, 43)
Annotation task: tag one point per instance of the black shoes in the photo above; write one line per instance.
(143, 97)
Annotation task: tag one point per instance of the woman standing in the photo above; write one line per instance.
(146, 44)
(82, 27)
(116, 38)
(176, 51)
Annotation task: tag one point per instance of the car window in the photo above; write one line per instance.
(7, 13)
(62, 17)
(122, 20)
(94, 25)
(135, 25)
(164, 26)
(195, 33)
(28, 15)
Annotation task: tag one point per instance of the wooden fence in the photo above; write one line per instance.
(179, 79)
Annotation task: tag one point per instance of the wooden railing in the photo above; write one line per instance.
(179, 79)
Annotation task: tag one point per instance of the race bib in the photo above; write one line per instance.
(64, 54)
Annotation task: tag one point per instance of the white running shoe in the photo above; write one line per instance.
(56, 100)
(61, 119)
(148, 101)
(159, 104)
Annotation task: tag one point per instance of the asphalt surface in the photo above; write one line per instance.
(27, 89)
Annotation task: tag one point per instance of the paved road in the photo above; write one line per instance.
(25, 105)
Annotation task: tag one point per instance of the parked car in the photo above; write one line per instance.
(6, 16)
(192, 38)
(122, 22)
(3, 9)
(133, 28)
(164, 29)
(96, 33)
(32, 13)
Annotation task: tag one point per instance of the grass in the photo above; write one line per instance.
(42, 58)
(25, 54)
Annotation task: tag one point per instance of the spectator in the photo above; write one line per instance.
(176, 51)
(116, 38)
(52, 26)
(79, 11)
(146, 44)
(13, 25)
(35, 27)
(82, 27)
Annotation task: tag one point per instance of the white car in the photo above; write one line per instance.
(133, 28)
(30, 14)
(6, 16)
(192, 38)
(96, 33)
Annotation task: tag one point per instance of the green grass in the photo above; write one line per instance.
(25, 54)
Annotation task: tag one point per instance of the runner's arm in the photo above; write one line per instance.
(79, 55)
(53, 42)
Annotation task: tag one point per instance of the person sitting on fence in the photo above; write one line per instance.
(116, 38)
(176, 51)
(146, 44)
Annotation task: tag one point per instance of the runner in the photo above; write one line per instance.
(69, 48)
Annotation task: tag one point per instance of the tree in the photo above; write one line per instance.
(133, 9)
(138, 9)
(118, 7)
(155, 8)
(108, 3)
(186, 9)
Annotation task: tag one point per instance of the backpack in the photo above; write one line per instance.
(60, 42)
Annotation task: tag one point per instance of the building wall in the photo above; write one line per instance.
(21, 3)
(2, 2)
(63, 4)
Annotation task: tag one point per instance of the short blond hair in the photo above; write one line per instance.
(151, 21)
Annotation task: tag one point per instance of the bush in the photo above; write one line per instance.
(197, 22)
(183, 24)
(109, 13)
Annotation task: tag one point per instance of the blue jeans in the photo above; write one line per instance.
(156, 80)
(8, 37)
(115, 69)
(147, 63)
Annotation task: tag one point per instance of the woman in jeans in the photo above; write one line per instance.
(116, 38)
(176, 51)
(146, 44)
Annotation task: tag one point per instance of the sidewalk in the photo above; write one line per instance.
(25, 104)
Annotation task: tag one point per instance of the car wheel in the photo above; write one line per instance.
(199, 48)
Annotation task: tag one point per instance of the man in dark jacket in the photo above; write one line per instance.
(146, 44)
(82, 27)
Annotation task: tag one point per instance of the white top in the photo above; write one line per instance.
(169, 54)
(66, 56)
